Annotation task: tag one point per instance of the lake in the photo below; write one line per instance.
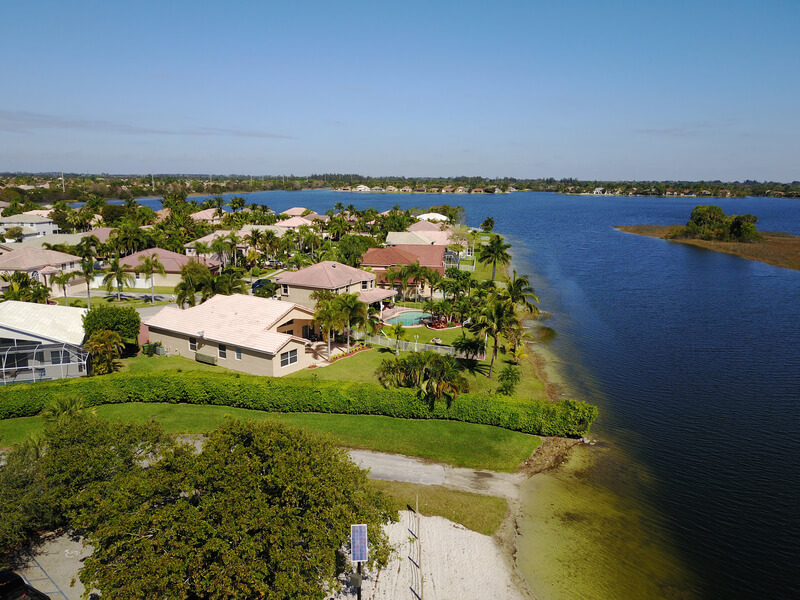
(692, 356)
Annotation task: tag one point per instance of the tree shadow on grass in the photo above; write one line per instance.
(474, 367)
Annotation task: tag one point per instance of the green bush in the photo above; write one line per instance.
(567, 418)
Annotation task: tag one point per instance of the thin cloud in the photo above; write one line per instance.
(20, 121)
(688, 131)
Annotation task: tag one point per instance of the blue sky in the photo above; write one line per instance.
(538, 88)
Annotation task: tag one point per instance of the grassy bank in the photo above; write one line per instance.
(778, 249)
(474, 511)
(442, 441)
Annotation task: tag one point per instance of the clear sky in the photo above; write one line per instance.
(594, 89)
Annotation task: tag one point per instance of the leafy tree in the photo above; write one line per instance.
(14, 233)
(488, 225)
(122, 319)
(496, 251)
(196, 279)
(261, 512)
(327, 317)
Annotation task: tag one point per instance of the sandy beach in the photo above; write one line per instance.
(444, 561)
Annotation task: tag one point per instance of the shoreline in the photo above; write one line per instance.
(777, 249)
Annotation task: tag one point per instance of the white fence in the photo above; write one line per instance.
(379, 340)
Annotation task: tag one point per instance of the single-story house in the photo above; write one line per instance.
(394, 238)
(172, 261)
(208, 239)
(40, 264)
(297, 286)
(260, 336)
(40, 342)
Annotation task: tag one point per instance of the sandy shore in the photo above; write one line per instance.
(447, 561)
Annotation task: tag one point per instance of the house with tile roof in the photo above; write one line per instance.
(172, 261)
(260, 336)
(39, 342)
(338, 278)
(382, 259)
(210, 215)
(40, 264)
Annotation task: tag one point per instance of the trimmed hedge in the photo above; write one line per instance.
(567, 418)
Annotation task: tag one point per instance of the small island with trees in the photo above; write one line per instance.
(709, 227)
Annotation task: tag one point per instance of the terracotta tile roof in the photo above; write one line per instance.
(101, 233)
(327, 275)
(405, 254)
(26, 259)
(293, 222)
(424, 226)
(172, 261)
(237, 320)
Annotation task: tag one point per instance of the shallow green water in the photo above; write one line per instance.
(580, 539)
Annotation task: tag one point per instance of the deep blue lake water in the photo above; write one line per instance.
(691, 355)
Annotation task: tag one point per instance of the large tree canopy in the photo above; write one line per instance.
(262, 511)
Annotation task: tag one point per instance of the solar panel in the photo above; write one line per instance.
(358, 543)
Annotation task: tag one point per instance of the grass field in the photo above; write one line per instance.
(474, 511)
(458, 444)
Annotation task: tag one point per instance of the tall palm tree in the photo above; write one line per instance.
(62, 280)
(496, 251)
(352, 310)
(149, 267)
(397, 331)
(116, 275)
(88, 271)
(497, 319)
(233, 242)
(520, 292)
(220, 246)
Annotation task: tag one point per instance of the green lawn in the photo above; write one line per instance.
(362, 366)
(474, 511)
(149, 364)
(459, 444)
(112, 300)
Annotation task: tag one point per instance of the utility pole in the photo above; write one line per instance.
(63, 187)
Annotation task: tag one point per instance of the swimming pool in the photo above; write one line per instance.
(410, 317)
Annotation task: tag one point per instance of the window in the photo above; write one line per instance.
(223, 351)
(193, 344)
(364, 285)
(58, 357)
(288, 358)
(238, 354)
(285, 289)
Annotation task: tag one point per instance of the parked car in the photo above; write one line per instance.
(257, 285)
(13, 587)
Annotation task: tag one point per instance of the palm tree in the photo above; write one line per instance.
(65, 406)
(105, 347)
(328, 318)
(220, 246)
(444, 377)
(116, 275)
(87, 271)
(397, 331)
(227, 284)
(233, 242)
(149, 267)
(202, 250)
(352, 310)
(520, 292)
(497, 319)
(62, 280)
(495, 252)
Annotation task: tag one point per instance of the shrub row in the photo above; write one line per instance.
(567, 418)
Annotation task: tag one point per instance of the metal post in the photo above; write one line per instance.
(359, 582)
